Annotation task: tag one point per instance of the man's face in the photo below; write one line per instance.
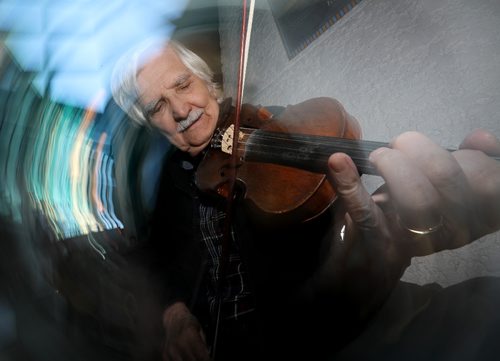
(178, 103)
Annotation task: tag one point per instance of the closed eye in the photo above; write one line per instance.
(184, 85)
(157, 108)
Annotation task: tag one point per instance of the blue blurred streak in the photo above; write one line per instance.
(63, 234)
(22, 16)
(80, 39)
(61, 57)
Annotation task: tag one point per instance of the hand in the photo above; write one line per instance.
(453, 197)
(483, 176)
(184, 337)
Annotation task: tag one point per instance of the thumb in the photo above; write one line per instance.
(344, 177)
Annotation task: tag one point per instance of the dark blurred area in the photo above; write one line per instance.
(78, 180)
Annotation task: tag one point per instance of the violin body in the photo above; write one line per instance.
(274, 193)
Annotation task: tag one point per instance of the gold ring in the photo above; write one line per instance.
(423, 231)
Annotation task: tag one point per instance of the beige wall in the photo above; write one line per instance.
(396, 65)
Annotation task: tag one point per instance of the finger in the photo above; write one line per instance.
(483, 141)
(413, 195)
(358, 203)
(442, 170)
(370, 244)
(483, 176)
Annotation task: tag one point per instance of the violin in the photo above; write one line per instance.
(282, 161)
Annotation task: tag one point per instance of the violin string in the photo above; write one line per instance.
(312, 139)
(330, 143)
(286, 147)
(321, 149)
(312, 161)
(275, 145)
(318, 146)
(322, 146)
(320, 154)
(276, 142)
(316, 162)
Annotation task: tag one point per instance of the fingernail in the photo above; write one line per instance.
(343, 170)
(340, 166)
(376, 153)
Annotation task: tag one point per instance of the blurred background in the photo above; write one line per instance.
(77, 180)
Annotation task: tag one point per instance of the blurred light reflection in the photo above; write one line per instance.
(74, 191)
(56, 135)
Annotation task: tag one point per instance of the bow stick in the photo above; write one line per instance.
(227, 237)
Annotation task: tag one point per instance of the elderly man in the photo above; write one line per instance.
(283, 286)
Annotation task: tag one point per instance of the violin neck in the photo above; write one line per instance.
(308, 152)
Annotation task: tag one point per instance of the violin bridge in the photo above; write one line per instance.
(227, 139)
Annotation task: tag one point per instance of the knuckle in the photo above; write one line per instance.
(349, 190)
(364, 217)
(490, 185)
(442, 173)
(362, 213)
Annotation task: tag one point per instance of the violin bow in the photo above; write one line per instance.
(246, 29)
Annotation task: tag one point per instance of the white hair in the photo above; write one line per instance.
(124, 85)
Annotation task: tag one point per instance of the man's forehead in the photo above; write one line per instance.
(165, 70)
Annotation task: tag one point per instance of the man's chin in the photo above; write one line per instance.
(196, 148)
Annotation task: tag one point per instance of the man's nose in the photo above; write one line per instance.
(180, 109)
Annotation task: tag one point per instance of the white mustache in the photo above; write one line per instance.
(192, 117)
